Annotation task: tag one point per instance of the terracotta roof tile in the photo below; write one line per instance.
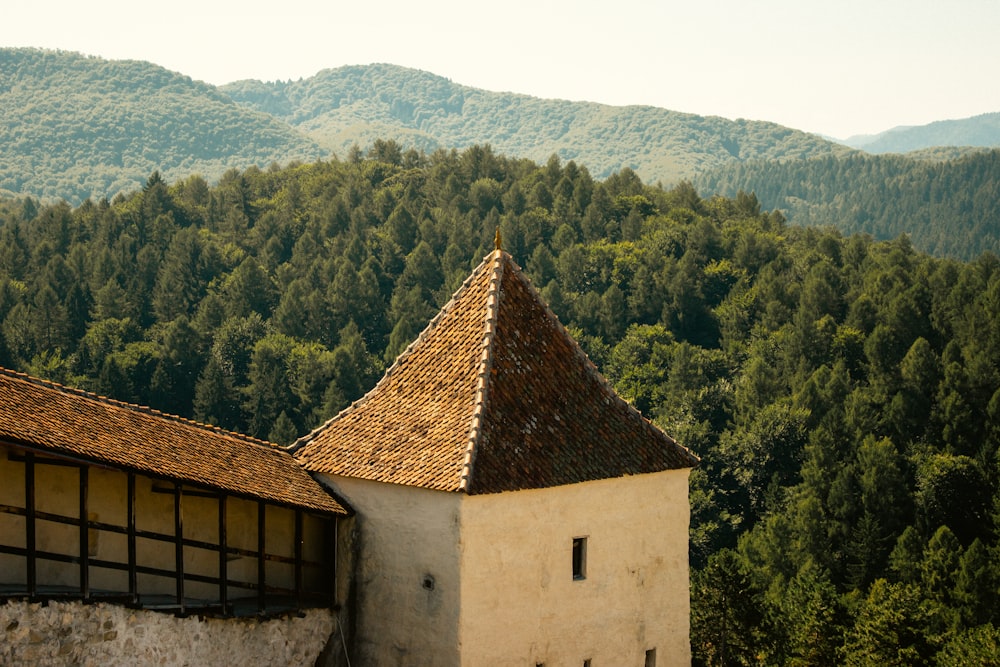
(493, 396)
(49, 417)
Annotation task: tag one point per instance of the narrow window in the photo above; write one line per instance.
(651, 657)
(586, 663)
(579, 558)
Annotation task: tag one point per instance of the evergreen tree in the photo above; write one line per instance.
(892, 629)
(727, 614)
(215, 400)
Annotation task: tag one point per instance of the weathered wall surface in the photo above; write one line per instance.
(445, 579)
(72, 633)
(520, 602)
(405, 606)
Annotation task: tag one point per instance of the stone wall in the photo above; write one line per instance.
(72, 633)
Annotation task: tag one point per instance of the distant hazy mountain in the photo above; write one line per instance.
(73, 126)
(979, 131)
(355, 105)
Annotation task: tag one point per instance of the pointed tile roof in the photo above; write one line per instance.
(48, 417)
(493, 396)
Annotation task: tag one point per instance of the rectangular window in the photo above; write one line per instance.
(651, 657)
(579, 558)
(586, 663)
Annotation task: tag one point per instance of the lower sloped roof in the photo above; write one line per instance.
(493, 396)
(48, 417)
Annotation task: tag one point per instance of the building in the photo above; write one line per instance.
(106, 503)
(503, 506)
(513, 509)
(101, 499)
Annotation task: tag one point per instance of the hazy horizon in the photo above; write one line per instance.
(840, 70)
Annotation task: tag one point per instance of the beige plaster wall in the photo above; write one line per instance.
(406, 597)
(11, 526)
(72, 633)
(106, 504)
(519, 602)
(503, 591)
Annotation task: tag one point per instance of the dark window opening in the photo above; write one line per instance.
(651, 657)
(579, 558)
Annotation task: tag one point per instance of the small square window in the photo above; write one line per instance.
(651, 657)
(579, 558)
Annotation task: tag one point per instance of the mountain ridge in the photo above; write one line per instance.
(979, 131)
(432, 112)
(77, 126)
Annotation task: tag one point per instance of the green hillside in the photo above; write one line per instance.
(843, 393)
(73, 126)
(947, 207)
(356, 105)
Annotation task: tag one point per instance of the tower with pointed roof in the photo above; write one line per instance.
(512, 509)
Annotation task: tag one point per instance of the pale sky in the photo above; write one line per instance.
(837, 68)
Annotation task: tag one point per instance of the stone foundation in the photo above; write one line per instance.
(72, 633)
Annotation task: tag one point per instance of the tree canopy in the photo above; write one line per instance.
(843, 393)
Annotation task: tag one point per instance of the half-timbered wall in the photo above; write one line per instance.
(72, 529)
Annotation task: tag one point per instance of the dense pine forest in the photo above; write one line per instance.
(946, 202)
(843, 393)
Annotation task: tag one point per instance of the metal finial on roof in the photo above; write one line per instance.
(496, 240)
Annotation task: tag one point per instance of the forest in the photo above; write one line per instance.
(843, 393)
(945, 199)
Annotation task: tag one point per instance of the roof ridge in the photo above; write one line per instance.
(485, 362)
(592, 370)
(397, 362)
(134, 407)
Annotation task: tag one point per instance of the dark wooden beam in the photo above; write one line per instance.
(297, 552)
(133, 582)
(29, 524)
(187, 491)
(332, 559)
(153, 535)
(223, 558)
(261, 552)
(45, 460)
(84, 533)
(179, 546)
